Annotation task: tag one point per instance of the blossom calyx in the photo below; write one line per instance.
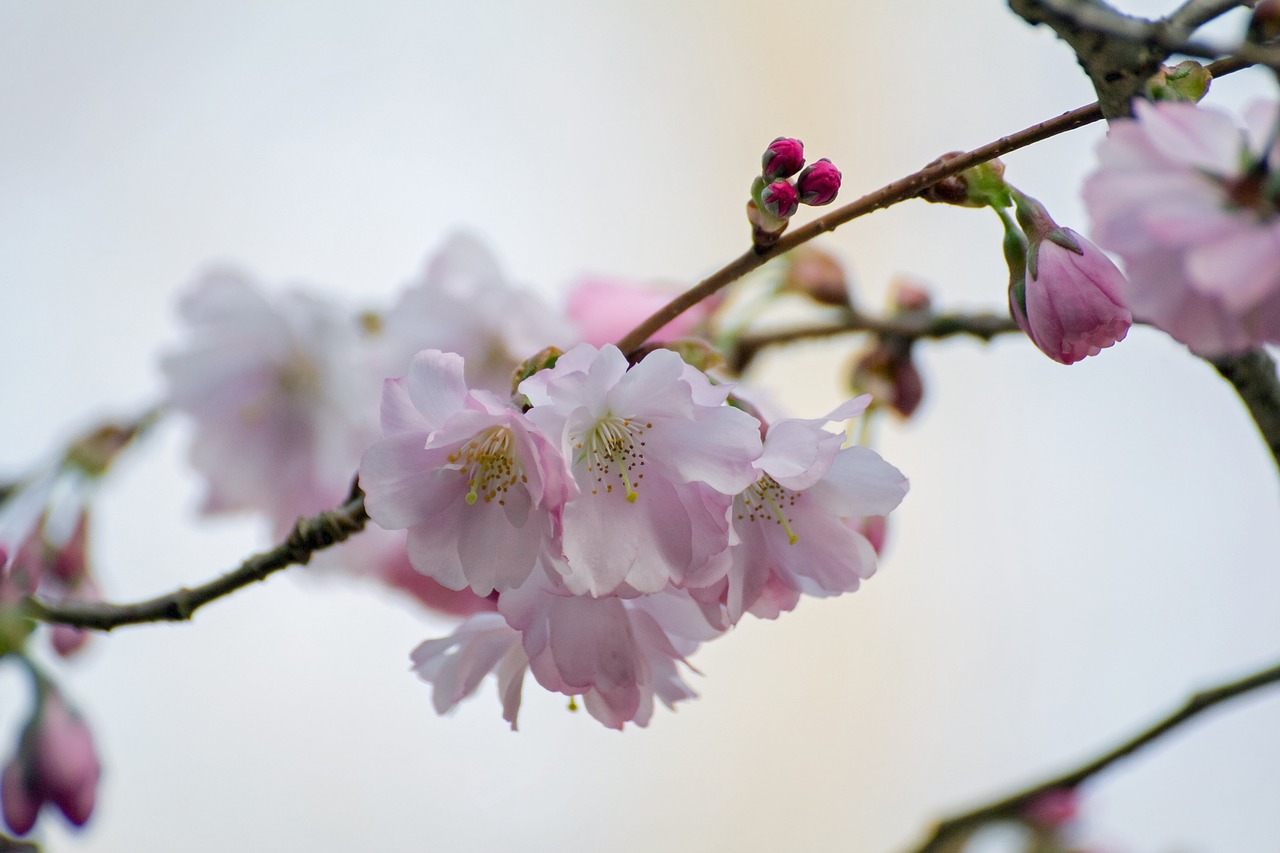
(782, 159)
(1186, 82)
(977, 186)
(818, 184)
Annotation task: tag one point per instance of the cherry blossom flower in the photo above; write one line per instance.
(657, 456)
(799, 522)
(280, 415)
(478, 487)
(56, 763)
(1185, 197)
(463, 303)
(456, 665)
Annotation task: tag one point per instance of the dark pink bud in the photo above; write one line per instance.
(780, 199)
(70, 562)
(783, 158)
(818, 184)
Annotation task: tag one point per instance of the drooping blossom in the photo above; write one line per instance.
(1068, 299)
(657, 456)
(56, 764)
(477, 485)
(463, 303)
(799, 522)
(1187, 199)
(620, 656)
(603, 311)
(280, 413)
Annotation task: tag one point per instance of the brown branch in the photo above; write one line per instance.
(1013, 806)
(887, 196)
(1253, 375)
(907, 326)
(308, 536)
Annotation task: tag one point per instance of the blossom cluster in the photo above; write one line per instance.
(593, 528)
(628, 515)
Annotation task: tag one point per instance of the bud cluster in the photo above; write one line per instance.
(778, 192)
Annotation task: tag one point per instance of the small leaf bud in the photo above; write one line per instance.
(1186, 82)
(978, 186)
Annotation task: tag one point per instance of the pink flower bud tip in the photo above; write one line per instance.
(1073, 303)
(818, 184)
(782, 159)
(1053, 808)
(780, 199)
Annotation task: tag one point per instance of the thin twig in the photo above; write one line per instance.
(907, 326)
(308, 536)
(1014, 805)
(1196, 13)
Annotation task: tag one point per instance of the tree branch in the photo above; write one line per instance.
(1196, 13)
(887, 196)
(907, 326)
(1012, 807)
(308, 536)
(1253, 375)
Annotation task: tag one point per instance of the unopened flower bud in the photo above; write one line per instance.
(1265, 23)
(978, 186)
(818, 184)
(1052, 809)
(889, 374)
(56, 763)
(906, 296)
(779, 199)
(817, 275)
(782, 159)
(1186, 82)
(544, 359)
(1070, 303)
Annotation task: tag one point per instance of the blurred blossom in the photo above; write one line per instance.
(463, 303)
(280, 415)
(818, 275)
(603, 311)
(1188, 200)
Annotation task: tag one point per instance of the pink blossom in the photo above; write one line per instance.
(280, 414)
(477, 486)
(657, 456)
(56, 763)
(462, 302)
(797, 523)
(603, 311)
(618, 654)
(1182, 194)
(455, 665)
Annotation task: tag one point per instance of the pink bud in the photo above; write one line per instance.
(1053, 808)
(783, 158)
(1074, 309)
(67, 640)
(70, 562)
(56, 763)
(780, 199)
(909, 295)
(818, 184)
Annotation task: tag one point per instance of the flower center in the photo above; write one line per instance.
(489, 463)
(765, 499)
(614, 447)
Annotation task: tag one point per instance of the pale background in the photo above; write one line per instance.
(1081, 547)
